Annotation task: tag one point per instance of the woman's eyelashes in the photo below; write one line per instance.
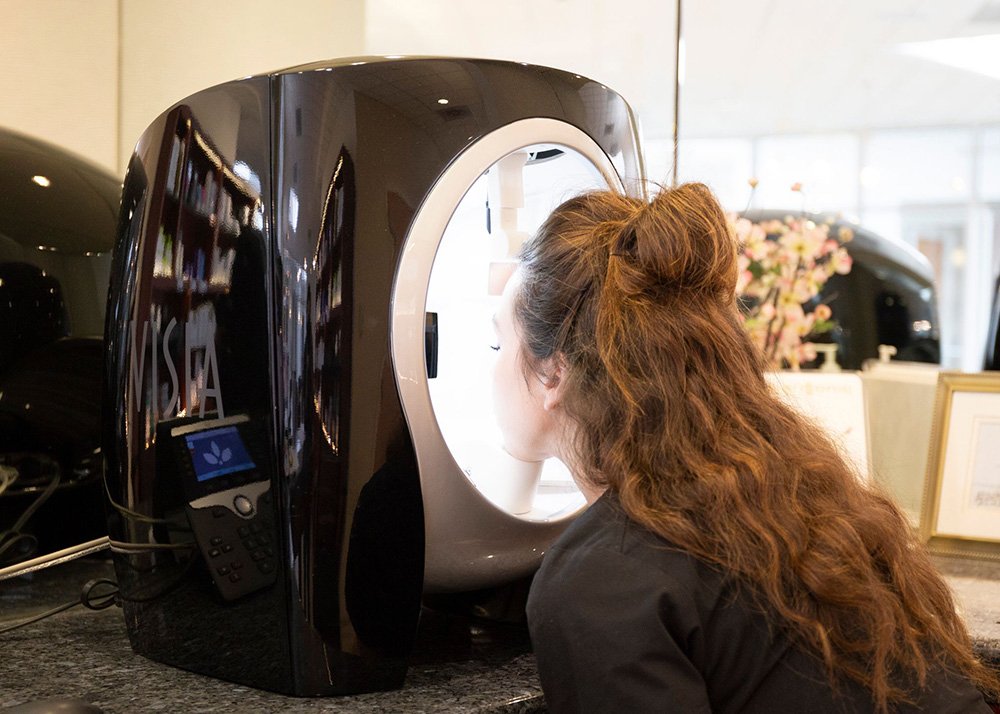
(495, 348)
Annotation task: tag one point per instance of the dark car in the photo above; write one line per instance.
(887, 298)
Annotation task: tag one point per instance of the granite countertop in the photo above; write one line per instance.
(83, 654)
(976, 584)
(86, 655)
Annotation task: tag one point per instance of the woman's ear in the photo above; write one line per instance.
(553, 386)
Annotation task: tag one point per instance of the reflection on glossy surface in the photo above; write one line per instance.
(887, 299)
(187, 384)
(57, 226)
(992, 358)
(331, 268)
(54, 201)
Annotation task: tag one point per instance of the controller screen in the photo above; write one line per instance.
(217, 452)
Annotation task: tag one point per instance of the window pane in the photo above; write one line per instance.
(917, 166)
(825, 165)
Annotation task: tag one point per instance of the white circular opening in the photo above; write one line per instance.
(505, 206)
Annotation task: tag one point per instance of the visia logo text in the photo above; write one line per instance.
(200, 368)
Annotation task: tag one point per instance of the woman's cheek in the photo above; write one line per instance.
(499, 398)
(508, 405)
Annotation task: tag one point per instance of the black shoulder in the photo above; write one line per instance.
(604, 529)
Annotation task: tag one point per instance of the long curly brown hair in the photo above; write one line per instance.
(673, 413)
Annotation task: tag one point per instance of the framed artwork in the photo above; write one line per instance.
(961, 504)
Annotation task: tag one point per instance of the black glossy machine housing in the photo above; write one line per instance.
(57, 227)
(249, 336)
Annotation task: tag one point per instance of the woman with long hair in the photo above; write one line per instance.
(730, 560)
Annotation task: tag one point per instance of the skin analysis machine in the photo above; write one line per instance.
(299, 434)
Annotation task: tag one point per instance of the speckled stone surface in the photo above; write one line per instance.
(976, 584)
(86, 655)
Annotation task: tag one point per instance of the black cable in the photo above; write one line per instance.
(165, 589)
(88, 599)
(14, 535)
(103, 600)
(97, 600)
(136, 516)
(190, 548)
(42, 498)
(12, 540)
(36, 618)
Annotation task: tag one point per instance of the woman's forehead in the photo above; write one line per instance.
(512, 285)
(505, 311)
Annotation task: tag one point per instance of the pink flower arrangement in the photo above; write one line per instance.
(783, 267)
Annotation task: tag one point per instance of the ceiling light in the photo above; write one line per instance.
(41, 181)
(442, 101)
(958, 257)
(870, 177)
(979, 54)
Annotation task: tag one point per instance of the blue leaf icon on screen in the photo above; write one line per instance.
(210, 458)
(226, 455)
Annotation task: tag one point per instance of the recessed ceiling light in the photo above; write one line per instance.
(442, 101)
(41, 181)
(980, 54)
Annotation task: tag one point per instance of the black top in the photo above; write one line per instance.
(622, 622)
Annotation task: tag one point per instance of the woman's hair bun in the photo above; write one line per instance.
(601, 258)
(680, 240)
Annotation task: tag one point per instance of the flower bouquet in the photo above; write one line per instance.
(783, 267)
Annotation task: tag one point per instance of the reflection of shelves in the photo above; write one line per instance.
(189, 210)
(200, 215)
(186, 285)
(226, 223)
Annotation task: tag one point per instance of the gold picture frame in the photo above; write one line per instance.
(961, 504)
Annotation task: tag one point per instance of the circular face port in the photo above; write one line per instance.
(477, 254)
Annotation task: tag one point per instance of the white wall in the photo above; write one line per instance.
(173, 49)
(628, 46)
(59, 74)
(90, 75)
